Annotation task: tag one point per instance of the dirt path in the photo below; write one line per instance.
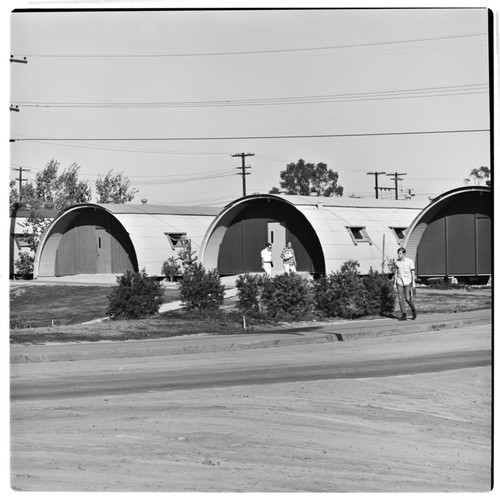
(419, 433)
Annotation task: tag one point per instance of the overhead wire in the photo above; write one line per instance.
(320, 99)
(256, 137)
(268, 51)
(447, 91)
(136, 150)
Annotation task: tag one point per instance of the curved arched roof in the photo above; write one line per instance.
(331, 218)
(146, 225)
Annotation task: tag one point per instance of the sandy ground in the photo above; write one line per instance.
(410, 433)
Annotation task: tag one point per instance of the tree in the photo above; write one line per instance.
(187, 257)
(52, 191)
(114, 188)
(34, 227)
(478, 175)
(308, 178)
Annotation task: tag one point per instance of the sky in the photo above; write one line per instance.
(168, 97)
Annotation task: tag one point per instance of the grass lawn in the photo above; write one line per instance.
(48, 313)
(47, 305)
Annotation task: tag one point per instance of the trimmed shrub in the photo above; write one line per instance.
(136, 296)
(326, 295)
(287, 296)
(171, 268)
(249, 293)
(200, 289)
(380, 294)
(341, 293)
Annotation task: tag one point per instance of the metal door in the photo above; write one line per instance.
(276, 235)
(103, 251)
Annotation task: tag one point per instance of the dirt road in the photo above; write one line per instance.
(422, 432)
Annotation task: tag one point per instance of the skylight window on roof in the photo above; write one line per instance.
(359, 234)
(178, 240)
(399, 232)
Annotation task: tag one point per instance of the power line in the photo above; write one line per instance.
(153, 179)
(158, 181)
(269, 51)
(239, 138)
(135, 150)
(448, 91)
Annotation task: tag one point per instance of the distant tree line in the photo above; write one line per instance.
(51, 189)
(57, 191)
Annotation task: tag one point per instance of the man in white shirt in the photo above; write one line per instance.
(404, 283)
(267, 259)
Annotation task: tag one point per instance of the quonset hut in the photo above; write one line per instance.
(115, 238)
(453, 235)
(325, 232)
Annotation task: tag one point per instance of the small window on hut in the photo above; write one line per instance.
(399, 232)
(178, 240)
(359, 234)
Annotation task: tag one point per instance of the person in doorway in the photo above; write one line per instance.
(288, 257)
(404, 283)
(267, 259)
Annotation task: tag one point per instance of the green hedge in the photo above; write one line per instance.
(201, 290)
(343, 294)
(136, 296)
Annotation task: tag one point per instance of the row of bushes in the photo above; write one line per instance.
(343, 294)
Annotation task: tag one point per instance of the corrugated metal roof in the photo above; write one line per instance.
(149, 235)
(340, 201)
(332, 223)
(116, 208)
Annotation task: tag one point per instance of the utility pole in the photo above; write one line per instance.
(376, 174)
(243, 168)
(20, 179)
(396, 179)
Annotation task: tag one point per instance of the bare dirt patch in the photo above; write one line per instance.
(422, 433)
(410, 433)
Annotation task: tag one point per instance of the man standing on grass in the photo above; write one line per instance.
(404, 283)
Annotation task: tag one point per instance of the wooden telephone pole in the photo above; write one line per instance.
(376, 174)
(243, 169)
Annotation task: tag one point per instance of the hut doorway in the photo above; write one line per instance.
(103, 250)
(276, 235)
